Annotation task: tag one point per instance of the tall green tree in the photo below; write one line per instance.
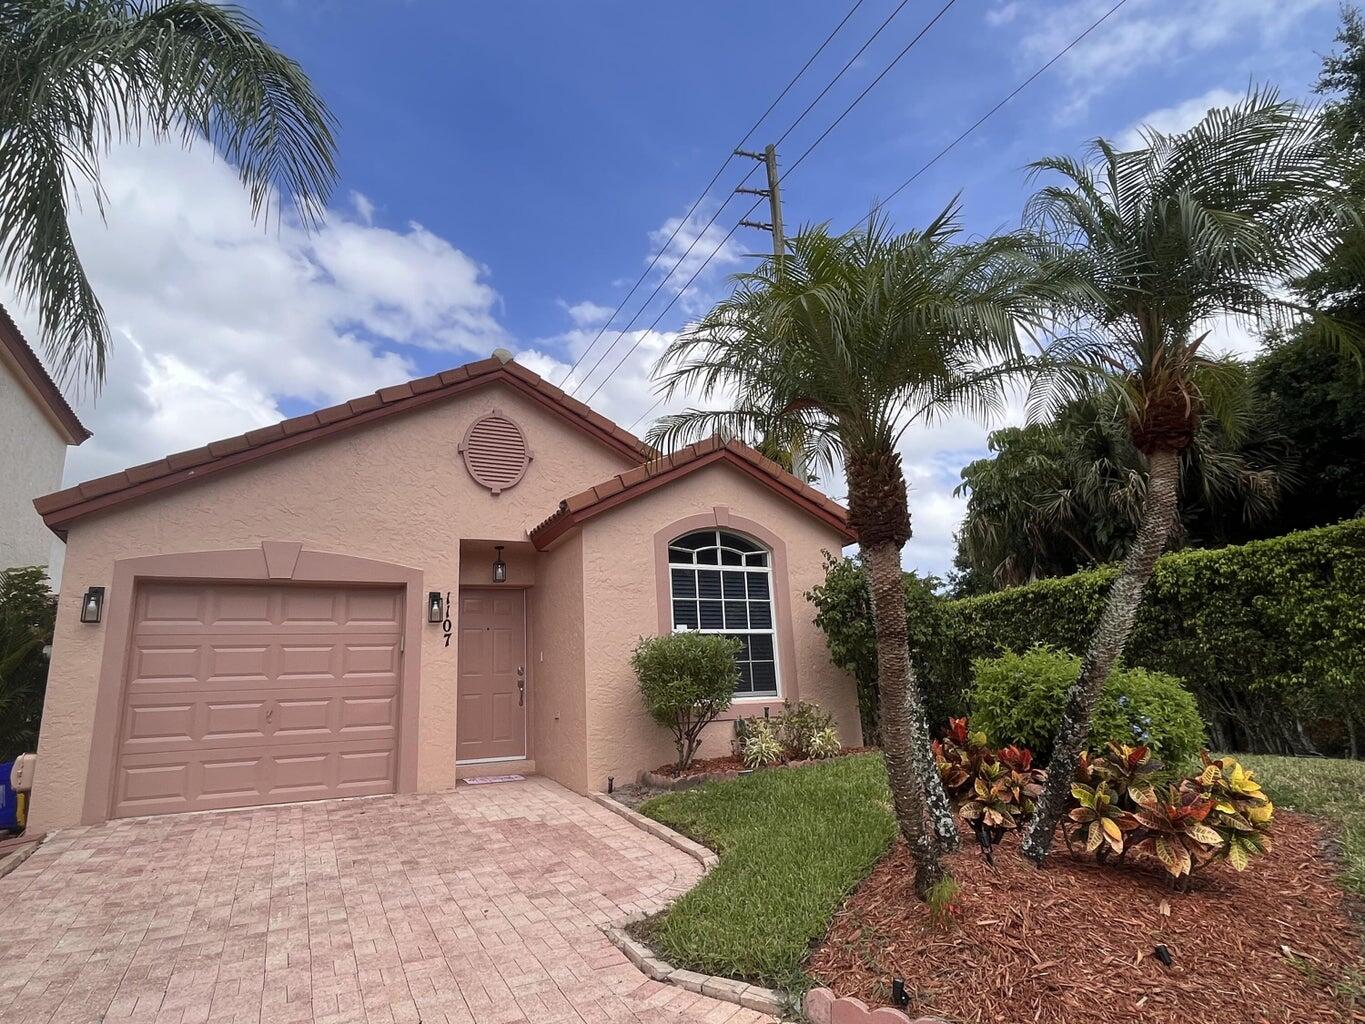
(1056, 497)
(845, 342)
(1173, 237)
(78, 75)
(28, 611)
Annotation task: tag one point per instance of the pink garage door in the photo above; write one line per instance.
(243, 694)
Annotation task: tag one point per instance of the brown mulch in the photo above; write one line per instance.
(708, 765)
(1074, 942)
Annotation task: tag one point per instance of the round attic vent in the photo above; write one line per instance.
(495, 452)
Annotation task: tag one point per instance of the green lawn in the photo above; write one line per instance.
(1331, 789)
(793, 843)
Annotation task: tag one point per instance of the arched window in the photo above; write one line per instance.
(721, 582)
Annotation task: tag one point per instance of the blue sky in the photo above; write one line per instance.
(508, 169)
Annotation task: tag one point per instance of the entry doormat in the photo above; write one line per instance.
(489, 779)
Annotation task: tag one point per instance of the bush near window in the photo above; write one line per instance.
(1269, 636)
(843, 610)
(686, 680)
(28, 611)
(1020, 698)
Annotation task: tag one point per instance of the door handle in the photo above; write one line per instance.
(521, 686)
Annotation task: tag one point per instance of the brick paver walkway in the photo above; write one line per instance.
(482, 905)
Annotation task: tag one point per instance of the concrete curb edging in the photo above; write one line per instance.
(12, 860)
(752, 997)
(696, 851)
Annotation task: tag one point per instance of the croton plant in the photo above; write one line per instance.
(1124, 802)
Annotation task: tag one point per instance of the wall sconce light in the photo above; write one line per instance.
(92, 605)
(499, 567)
(435, 608)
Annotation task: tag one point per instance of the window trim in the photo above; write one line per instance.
(721, 518)
(746, 569)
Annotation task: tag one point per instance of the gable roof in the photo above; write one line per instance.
(61, 508)
(40, 384)
(637, 482)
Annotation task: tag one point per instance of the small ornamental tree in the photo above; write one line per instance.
(686, 680)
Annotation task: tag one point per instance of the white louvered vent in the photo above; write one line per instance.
(495, 452)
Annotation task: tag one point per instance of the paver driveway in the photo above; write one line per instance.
(483, 904)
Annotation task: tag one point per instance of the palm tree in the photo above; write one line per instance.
(1171, 238)
(842, 344)
(77, 75)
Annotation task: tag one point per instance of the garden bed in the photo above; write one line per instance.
(719, 769)
(1076, 941)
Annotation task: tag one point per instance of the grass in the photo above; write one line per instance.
(1330, 789)
(792, 844)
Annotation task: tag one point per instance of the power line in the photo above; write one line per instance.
(988, 114)
(799, 160)
(952, 145)
(711, 184)
(719, 210)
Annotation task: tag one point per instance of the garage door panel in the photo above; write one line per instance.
(218, 718)
(247, 695)
(252, 777)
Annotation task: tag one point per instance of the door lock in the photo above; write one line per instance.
(521, 687)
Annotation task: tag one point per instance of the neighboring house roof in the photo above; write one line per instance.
(61, 508)
(40, 385)
(637, 482)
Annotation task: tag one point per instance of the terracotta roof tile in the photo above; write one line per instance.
(299, 424)
(65, 506)
(422, 385)
(188, 460)
(580, 507)
(261, 435)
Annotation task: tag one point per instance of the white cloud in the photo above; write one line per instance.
(216, 321)
(364, 208)
(1146, 35)
(586, 313)
(696, 248)
(1177, 118)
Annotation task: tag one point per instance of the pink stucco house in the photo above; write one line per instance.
(440, 580)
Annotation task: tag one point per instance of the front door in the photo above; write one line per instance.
(491, 701)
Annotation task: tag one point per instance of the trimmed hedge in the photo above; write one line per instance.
(1269, 636)
(1019, 698)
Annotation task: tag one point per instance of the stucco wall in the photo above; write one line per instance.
(396, 491)
(31, 461)
(558, 702)
(620, 587)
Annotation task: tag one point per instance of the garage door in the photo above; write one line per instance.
(238, 695)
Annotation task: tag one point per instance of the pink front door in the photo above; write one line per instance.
(491, 700)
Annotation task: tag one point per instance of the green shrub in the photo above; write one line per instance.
(686, 680)
(843, 609)
(799, 723)
(762, 746)
(1268, 636)
(1019, 699)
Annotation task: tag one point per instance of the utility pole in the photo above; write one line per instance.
(774, 195)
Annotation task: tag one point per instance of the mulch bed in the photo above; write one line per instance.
(714, 765)
(1074, 942)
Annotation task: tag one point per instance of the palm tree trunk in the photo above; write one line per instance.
(1161, 506)
(922, 753)
(900, 710)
